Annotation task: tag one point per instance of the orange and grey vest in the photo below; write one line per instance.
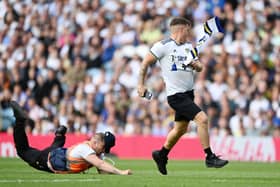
(76, 165)
(60, 161)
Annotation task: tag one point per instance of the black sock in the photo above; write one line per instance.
(164, 152)
(208, 151)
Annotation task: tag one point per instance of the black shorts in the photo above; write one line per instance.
(184, 106)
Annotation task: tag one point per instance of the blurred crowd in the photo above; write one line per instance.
(76, 63)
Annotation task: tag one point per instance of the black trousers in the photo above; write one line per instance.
(34, 157)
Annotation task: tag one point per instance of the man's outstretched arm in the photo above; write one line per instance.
(104, 167)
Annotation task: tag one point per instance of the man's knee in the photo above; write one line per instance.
(201, 118)
(21, 154)
(29, 155)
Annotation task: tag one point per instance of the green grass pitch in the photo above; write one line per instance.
(15, 172)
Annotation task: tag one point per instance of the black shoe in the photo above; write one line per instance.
(61, 130)
(160, 161)
(19, 113)
(214, 161)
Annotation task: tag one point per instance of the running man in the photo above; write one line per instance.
(178, 74)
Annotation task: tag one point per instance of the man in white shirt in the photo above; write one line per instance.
(178, 74)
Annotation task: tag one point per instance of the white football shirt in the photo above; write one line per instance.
(177, 76)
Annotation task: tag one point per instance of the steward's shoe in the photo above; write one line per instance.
(19, 113)
(214, 161)
(160, 161)
(61, 131)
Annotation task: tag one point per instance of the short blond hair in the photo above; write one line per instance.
(99, 136)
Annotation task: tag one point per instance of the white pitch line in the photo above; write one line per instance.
(49, 181)
(219, 180)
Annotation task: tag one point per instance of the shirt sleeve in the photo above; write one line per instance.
(157, 50)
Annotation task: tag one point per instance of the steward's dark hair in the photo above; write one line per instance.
(180, 21)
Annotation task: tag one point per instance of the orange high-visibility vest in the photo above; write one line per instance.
(77, 165)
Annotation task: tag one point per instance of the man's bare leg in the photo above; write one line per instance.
(160, 156)
(212, 160)
(180, 128)
(201, 121)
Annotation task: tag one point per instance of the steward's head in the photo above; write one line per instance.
(103, 142)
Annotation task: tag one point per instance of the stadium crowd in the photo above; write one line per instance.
(76, 63)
